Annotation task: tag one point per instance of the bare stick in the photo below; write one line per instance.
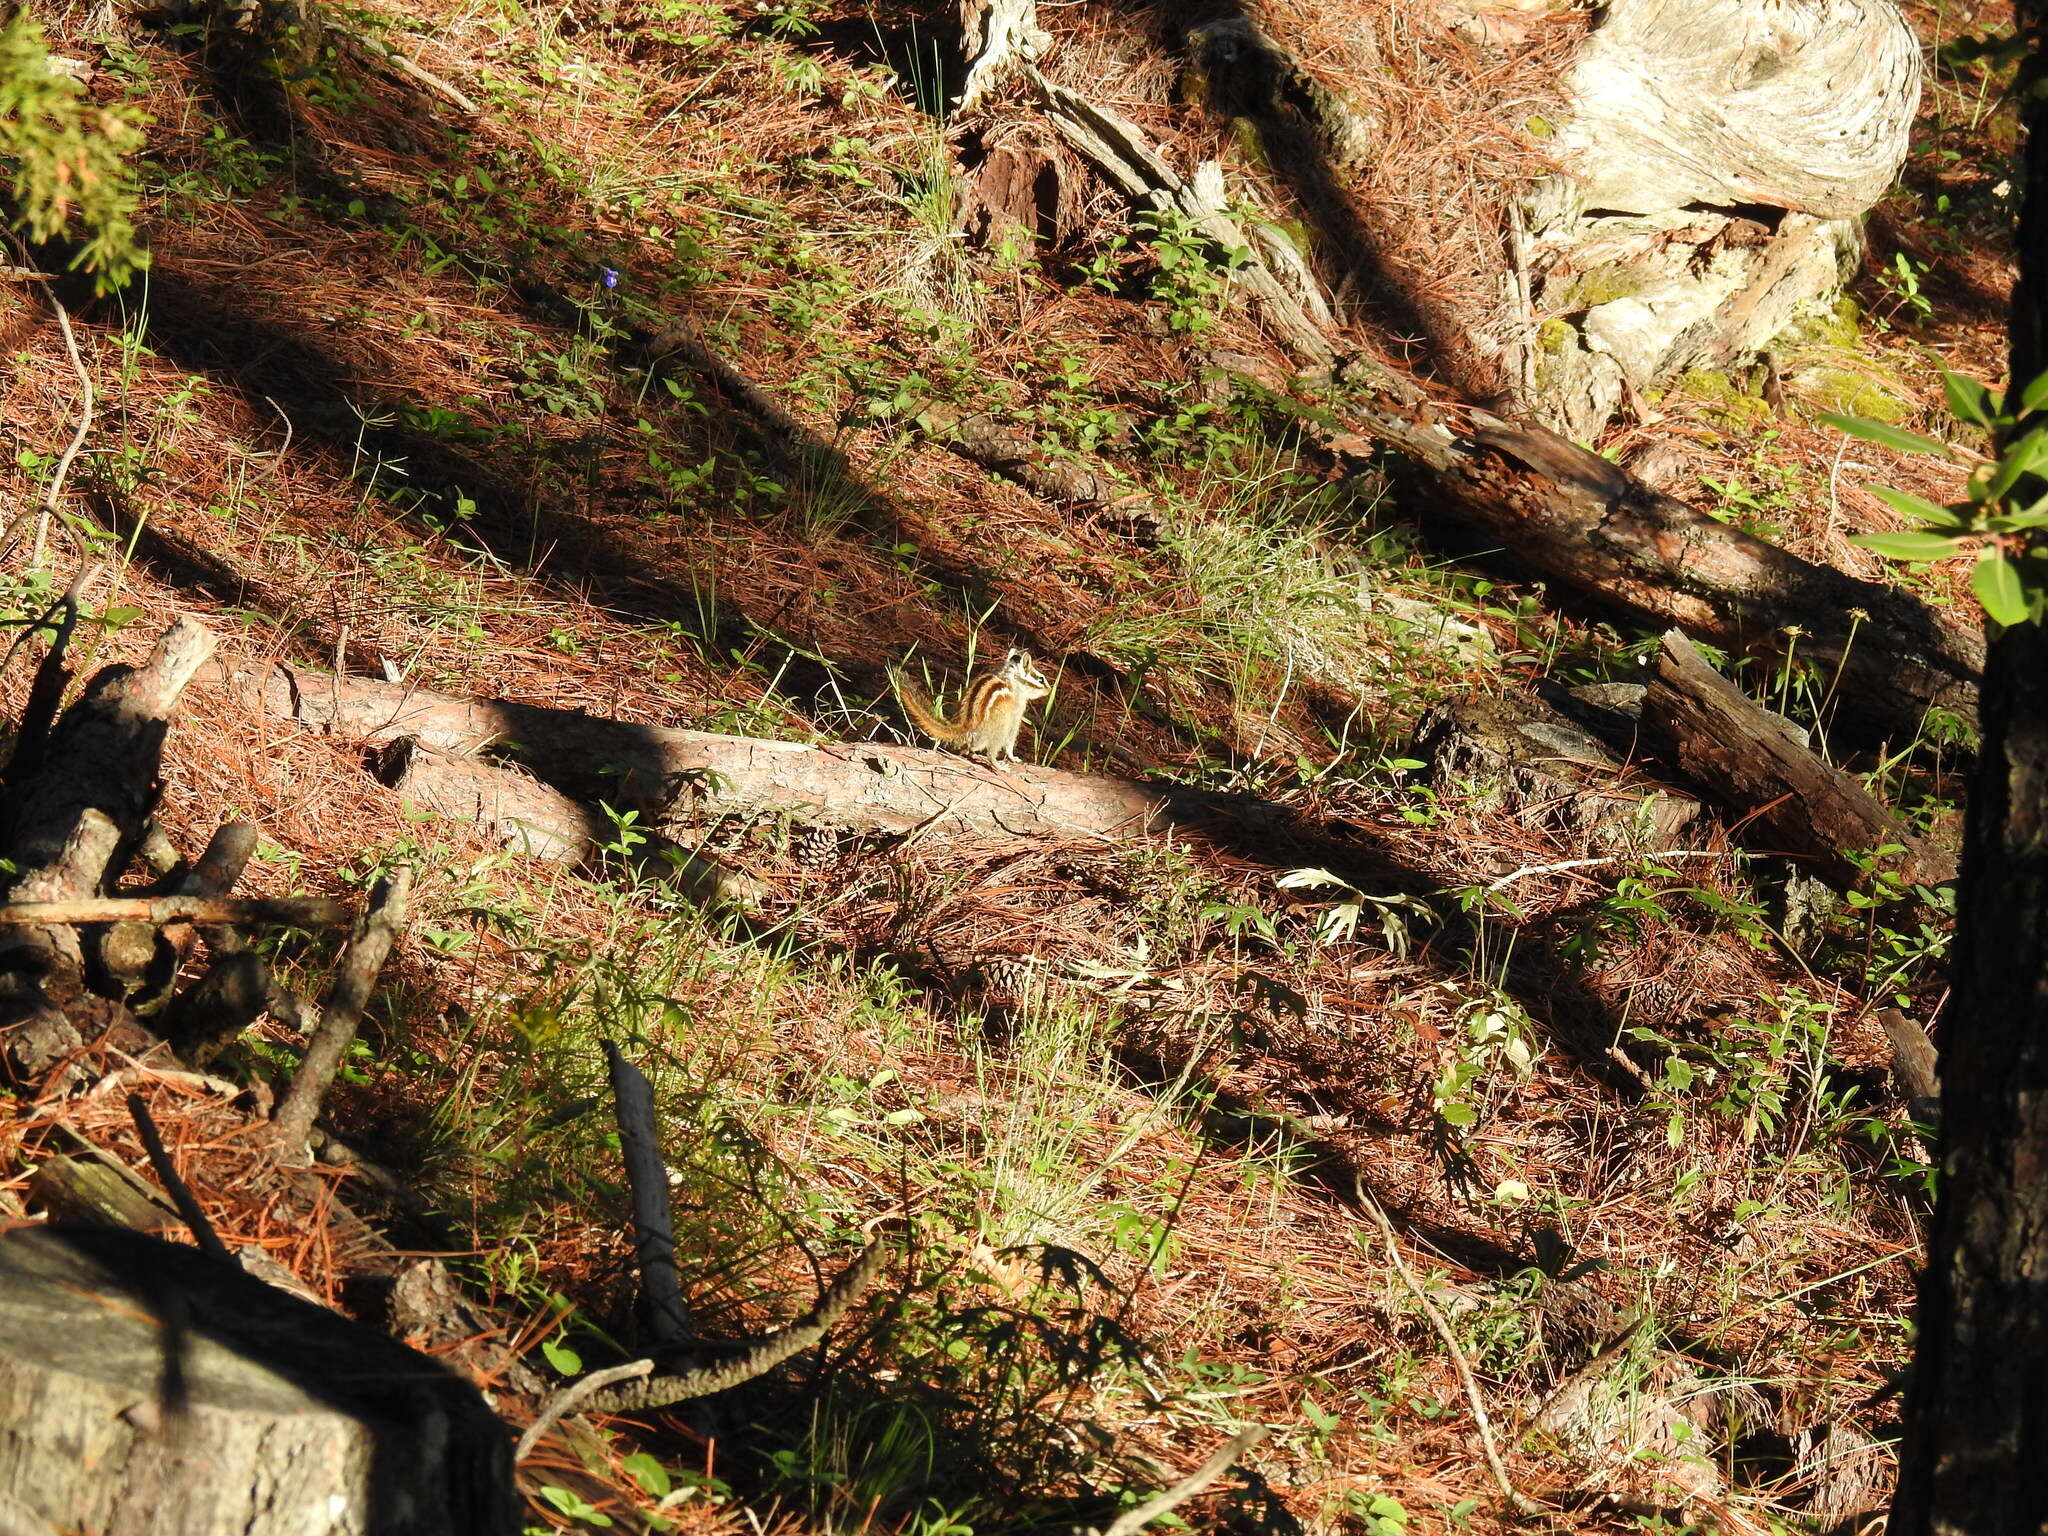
(572, 1397)
(55, 489)
(342, 1010)
(1135, 1519)
(654, 1232)
(1458, 1362)
(167, 1175)
(290, 911)
(1625, 858)
(762, 1355)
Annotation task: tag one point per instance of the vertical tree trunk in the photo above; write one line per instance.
(1976, 1434)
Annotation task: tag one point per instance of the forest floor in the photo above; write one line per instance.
(392, 397)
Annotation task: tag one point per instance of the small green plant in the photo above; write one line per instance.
(2005, 500)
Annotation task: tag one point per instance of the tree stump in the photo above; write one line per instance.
(295, 1421)
(1715, 160)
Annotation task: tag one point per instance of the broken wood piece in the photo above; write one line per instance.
(342, 1009)
(95, 1186)
(1787, 798)
(1916, 1065)
(999, 37)
(158, 1389)
(1064, 480)
(270, 911)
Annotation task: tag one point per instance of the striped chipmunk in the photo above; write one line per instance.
(990, 714)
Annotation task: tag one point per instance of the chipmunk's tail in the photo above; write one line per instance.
(925, 715)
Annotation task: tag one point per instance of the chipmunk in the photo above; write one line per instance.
(991, 712)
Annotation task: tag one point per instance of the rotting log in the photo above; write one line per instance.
(1788, 799)
(145, 1387)
(865, 786)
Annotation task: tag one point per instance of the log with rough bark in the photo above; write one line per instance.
(1789, 800)
(866, 786)
(146, 1387)
(1589, 525)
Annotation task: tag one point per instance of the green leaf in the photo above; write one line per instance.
(1884, 434)
(1968, 399)
(2035, 395)
(562, 1357)
(1906, 504)
(2014, 460)
(650, 1474)
(1911, 546)
(1996, 581)
(1457, 1112)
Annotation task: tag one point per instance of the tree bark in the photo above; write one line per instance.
(1976, 1412)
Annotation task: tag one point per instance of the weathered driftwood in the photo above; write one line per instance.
(1789, 800)
(540, 822)
(145, 1387)
(864, 786)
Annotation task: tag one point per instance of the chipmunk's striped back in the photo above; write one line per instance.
(990, 714)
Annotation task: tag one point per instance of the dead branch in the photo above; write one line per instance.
(342, 1010)
(53, 492)
(282, 911)
(1290, 300)
(1136, 1518)
(759, 1356)
(654, 1231)
(1456, 1351)
(175, 1186)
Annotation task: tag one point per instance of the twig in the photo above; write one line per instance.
(1437, 1321)
(167, 1175)
(573, 1396)
(391, 58)
(654, 1232)
(342, 1009)
(1620, 858)
(762, 1354)
(291, 911)
(55, 488)
(1135, 1519)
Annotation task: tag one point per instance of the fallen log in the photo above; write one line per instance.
(1590, 526)
(862, 786)
(539, 822)
(1789, 800)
